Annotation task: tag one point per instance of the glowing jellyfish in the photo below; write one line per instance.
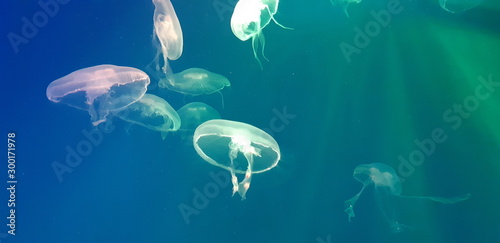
(457, 6)
(344, 3)
(237, 147)
(152, 112)
(195, 81)
(100, 89)
(167, 33)
(386, 184)
(250, 17)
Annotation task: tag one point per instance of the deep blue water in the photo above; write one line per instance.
(130, 185)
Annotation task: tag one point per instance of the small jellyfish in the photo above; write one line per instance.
(195, 113)
(250, 17)
(167, 33)
(195, 81)
(237, 147)
(344, 3)
(457, 6)
(152, 112)
(386, 184)
(99, 89)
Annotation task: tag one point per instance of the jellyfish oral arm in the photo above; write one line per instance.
(240, 144)
(349, 204)
(245, 184)
(349, 210)
(234, 181)
(233, 153)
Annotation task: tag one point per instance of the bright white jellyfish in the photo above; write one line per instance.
(237, 147)
(457, 6)
(386, 185)
(250, 17)
(167, 34)
(100, 90)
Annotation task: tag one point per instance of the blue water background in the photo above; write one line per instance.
(130, 186)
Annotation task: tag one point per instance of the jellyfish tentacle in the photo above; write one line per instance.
(345, 4)
(221, 97)
(445, 200)
(275, 21)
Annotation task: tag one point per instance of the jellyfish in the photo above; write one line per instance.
(152, 112)
(167, 33)
(386, 184)
(195, 113)
(195, 81)
(99, 89)
(237, 147)
(192, 115)
(344, 3)
(457, 6)
(250, 17)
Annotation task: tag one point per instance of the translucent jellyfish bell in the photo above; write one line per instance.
(167, 33)
(457, 6)
(386, 184)
(195, 113)
(100, 89)
(195, 81)
(192, 115)
(237, 147)
(250, 17)
(152, 112)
